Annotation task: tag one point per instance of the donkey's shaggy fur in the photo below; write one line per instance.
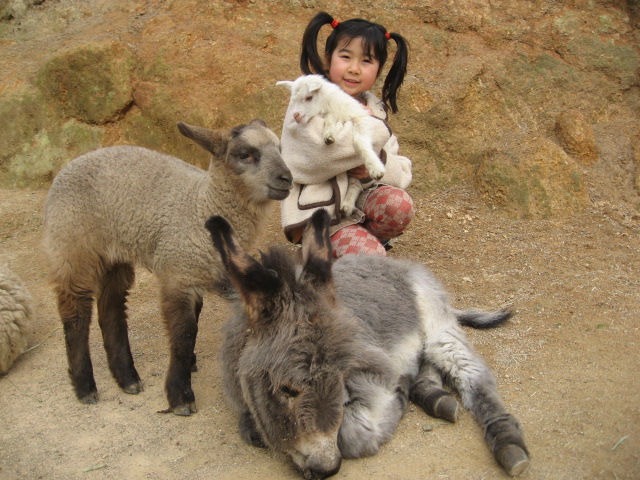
(320, 360)
(118, 207)
(16, 317)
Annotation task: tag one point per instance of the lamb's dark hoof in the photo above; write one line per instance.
(185, 410)
(329, 140)
(513, 459)
(90, 399)
(133, 388)
(446, 407)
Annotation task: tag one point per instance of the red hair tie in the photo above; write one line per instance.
(388, 35)
(334, 23)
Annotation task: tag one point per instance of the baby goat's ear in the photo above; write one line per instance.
(250, 278)
(213, 141)
(286, 83)
(317, 252)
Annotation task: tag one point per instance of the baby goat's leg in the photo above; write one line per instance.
(474, 380)
(75, 312)
(427, 393)
(329, 130)
(179, 312)
(112, 317)
(364, 147)
(354, 189)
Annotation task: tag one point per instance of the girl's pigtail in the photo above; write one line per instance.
(396, 74)
(310, 60)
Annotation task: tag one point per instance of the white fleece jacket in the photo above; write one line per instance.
(319, 170)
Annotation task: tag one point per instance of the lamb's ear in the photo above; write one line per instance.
(286, 83)
(259, 122)
(213, 141)
(250, 278)
(314, 83)
(317, 252)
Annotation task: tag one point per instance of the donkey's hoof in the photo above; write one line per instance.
(513, 459)
(329, 140)
(133, 388)
(446, 407)
(185, 410)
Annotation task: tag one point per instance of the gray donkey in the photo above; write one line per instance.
(321, 358)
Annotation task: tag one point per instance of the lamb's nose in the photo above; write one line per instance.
(297, 117)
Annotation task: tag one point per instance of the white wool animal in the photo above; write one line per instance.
(313, 95)
(16, 316)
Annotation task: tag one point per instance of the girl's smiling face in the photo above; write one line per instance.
(353, 70)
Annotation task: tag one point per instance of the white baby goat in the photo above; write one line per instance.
(313, 95)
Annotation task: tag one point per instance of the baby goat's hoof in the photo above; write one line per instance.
(513, 459)
(446, 407)
(329, 140)
(185, 410)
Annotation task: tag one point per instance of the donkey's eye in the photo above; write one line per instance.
(289, 392)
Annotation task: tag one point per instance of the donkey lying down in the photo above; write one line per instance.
(321, 359)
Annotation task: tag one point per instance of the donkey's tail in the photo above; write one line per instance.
(480, 319)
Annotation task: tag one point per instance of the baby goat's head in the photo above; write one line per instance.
(292, 363)
(308, 94)
(252, 151)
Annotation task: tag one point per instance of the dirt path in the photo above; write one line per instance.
(567, 365)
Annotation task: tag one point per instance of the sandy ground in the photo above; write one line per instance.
(567, 365)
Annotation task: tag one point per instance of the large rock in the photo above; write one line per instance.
(91, 82)
(531, 177)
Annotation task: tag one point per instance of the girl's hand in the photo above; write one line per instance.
(360, 172)
(369, 110)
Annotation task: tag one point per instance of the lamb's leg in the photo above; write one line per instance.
(474, 380)
(427, 393)
(179, 312)
(112, 317)
(354, 190)
(198, 309)
(75, 313)
(371, 415)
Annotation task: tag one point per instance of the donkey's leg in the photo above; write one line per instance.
(75, 312)
(427, 393)
(475, 382)
(179, 312)
(112, 317)
(371, 414)
(198, 309)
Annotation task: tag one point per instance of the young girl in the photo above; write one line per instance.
(354, 56)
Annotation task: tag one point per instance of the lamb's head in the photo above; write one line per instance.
(252, 151)
(293, 362)
(309, 94)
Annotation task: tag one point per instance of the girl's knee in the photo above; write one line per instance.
(354, 240)
(389, 210)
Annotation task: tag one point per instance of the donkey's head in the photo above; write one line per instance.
(297, 345)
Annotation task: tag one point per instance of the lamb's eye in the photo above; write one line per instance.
(289, 392)
(243, 156)
(308, 98)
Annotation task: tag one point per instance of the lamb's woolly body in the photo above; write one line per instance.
(133, 205)
(16, 317)
(117, 207)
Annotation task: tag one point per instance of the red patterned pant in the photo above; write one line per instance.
(388, 211)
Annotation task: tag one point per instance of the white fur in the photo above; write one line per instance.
(16, 316)
(313, 95)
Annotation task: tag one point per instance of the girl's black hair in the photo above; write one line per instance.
(374, 41)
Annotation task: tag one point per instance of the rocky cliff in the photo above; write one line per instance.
(536, 104)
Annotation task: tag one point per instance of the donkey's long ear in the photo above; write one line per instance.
(317, 253)
(250, 278)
